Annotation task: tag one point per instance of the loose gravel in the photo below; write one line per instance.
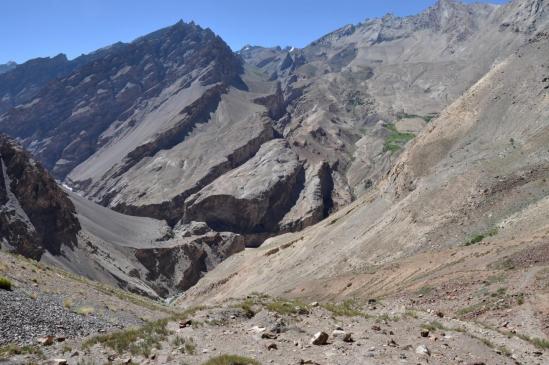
(23, 319)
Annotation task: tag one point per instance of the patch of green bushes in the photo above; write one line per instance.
(395, 140)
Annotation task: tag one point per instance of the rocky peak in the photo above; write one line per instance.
(454, 17)
(62, 124)
(7, 67)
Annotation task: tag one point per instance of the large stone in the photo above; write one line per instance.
(320, 338)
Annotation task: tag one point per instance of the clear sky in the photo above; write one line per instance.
(33, 28)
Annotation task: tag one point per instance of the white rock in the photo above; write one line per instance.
(423, 350)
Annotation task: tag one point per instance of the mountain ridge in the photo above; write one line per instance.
(174, 124)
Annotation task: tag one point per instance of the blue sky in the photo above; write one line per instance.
(33, 28)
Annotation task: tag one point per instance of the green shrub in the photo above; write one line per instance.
(231, 360)
(5, 283)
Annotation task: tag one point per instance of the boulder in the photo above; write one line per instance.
(320, 338)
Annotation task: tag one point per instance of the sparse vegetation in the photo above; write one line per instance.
(500, 292)
(68, 303)
(469, 309)
(504, 351)
(505, 264)
(5, 284)
(411, 313)
(493, 279)
(247, 307)
(387, 318)
(286, 307)
(85, 310)
(348, 308)
(185, 345)
(540, 343)
(9, 350)
(480, 237)
(231, 360)
(427, 118)
(138, 341)
(425, 290)
(395, 140)
(486, 342)
(433, 326)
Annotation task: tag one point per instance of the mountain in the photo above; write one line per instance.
(177, 129)
(7, 67)
(462, 205)
(474, 172)
(379, 196)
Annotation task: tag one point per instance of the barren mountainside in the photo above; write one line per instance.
(378, 141)
(379, 196)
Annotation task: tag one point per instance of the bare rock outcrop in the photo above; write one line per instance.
(253, 197)
(35, 214)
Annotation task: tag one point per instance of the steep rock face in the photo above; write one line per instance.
(253, 197)
(35, 214)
